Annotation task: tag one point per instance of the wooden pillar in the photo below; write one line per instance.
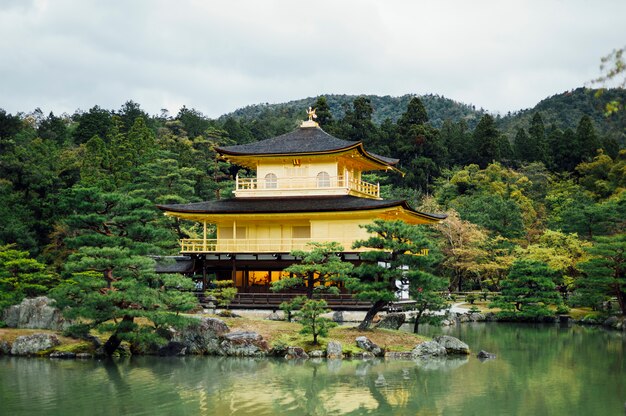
(204, 276)
(234, 271)
(204, 237)
(234, 235)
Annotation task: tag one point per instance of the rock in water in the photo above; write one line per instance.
(33, 313)
(429, 349)
(202, 337)
(367, 345)
(316, 354)
(334, 350)
(452, 345)
(392, 321)
(171, 349)
(484, 355)
(296, 353)
(243, 344)
(33, 344)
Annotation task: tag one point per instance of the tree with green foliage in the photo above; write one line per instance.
(95, 122)
(532, 147)
(528, 291)
(587, 142)
(310, 317)
(397, 258)
(487, 141)
(22, 276)
(562, 252)
(224, 292)
(322, 110)
(288, 307)
(605, 273)
(319, 269)
(426, 291)
(113, 276)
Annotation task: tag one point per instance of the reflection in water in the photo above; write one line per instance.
(539, 370)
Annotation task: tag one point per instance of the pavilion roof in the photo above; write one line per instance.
(292, 205)
(302, 141)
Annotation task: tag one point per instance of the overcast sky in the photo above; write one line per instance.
(217, 56)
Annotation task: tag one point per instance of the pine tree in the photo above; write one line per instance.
(310, 317)
(397, 257)
(22, 276)
(487, 141)
(322, 110)
(605, 274)
(114, 279)
(528, 291)
(587, 142)
(320, 269)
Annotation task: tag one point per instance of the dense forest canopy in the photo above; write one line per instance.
(531, 191)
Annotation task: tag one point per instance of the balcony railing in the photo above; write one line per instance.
(328, 185)
(260, 245)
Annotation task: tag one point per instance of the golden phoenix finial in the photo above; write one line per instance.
(311, 113)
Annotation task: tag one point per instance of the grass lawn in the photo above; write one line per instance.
(274, 332)
(288, 333)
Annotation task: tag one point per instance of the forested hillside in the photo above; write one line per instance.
(78, 192)
(561, 110)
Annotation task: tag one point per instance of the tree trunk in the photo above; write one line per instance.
(371, 313)
(309, 285)
(416, 325)
(114, 340)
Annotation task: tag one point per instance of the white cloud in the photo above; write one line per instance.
(216, 56)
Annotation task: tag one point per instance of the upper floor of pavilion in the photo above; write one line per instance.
(306, 162)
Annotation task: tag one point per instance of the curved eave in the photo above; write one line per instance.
(396, 210)
(235, 157)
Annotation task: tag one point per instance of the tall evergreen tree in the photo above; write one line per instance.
(487, 141)
(605, 274)
(322, 110)
(587, 141)
(396, 259)
(114, 279)
(528, 291)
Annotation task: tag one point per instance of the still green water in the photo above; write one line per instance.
(539, 370)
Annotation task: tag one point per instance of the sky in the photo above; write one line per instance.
(217, 56)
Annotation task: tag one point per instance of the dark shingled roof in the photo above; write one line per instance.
(303, 140)
(173, 264)
(290, 204)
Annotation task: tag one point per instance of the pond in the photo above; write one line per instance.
(539, 370)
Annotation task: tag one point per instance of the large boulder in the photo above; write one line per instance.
(171, 349)
(392, 321)
(202, 337)
(34, 313)
(5, 348)
(429, 349)
(296, 353)
(334, 350)
(365, 344)
(34, 344)
(452, 345)
(243, 344)
(484, 355)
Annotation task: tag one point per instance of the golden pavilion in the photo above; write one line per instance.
(308, 187)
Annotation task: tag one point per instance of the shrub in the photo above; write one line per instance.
(80, 331)
(224, 292)
(293, 305)
(471, 298)
(311, 320)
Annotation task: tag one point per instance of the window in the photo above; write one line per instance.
(271, 182)
(323, 180)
